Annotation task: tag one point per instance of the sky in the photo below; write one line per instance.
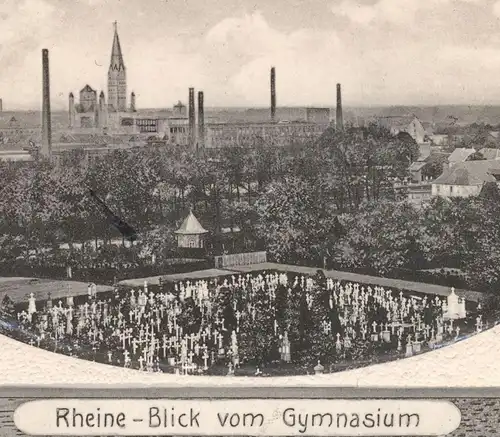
(383, 52)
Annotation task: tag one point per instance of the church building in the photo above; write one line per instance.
(92, 112)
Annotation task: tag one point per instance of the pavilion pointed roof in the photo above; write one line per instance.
(116, 63)
(191, 226)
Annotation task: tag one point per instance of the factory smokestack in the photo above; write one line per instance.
(46, 122)
(71, 112)
(191, 118)
(201, 119)
(273, 94)
(339, 125)
(101, 111)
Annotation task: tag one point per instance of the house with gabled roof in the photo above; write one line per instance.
(460, 154)
(409, 124)
(466, 179)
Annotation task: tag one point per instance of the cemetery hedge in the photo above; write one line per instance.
(105, 275)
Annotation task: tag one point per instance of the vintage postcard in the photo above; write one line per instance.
(249, 217)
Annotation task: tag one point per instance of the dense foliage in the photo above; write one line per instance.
(152, 189)
(458, 233)
(330, 203)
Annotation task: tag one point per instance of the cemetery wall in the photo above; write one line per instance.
(240, 259)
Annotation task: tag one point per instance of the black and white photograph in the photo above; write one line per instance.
(260, 190)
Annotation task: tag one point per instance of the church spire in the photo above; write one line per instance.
(116, 63)
(117, 77)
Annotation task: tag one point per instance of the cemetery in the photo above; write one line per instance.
(260, 323)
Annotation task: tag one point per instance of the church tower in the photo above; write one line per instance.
(71, 111)
(117, 78)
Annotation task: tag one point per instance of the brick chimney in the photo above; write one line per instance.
(102, 111)
(339, 122)
(71, 111)
(191, 118)
(201, 119)
(46, 149)
(273, 94)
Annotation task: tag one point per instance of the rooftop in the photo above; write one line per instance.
(261, 123)
(460, 154)
(191, 226)
(418, 165)
(490, 153)
(396, 121)
(469, 173)
(87, 89)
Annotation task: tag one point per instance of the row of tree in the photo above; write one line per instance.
(387, 237)
(42, 205)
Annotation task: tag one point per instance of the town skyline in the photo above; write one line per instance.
(381, 56)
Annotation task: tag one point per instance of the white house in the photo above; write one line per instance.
(465, 179)
(409, 124)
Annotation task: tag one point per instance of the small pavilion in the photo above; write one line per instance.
(191, 233)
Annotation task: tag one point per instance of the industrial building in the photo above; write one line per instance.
(98, 124)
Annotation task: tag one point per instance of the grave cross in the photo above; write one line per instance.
(205, 359)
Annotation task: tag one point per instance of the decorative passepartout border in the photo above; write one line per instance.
(242, 392)
(479, 408)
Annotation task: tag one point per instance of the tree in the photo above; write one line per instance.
(449, 226)
(381, 237)
(435, 165)
(358, 164)
(7, 305)
(294, 222)
(257, 339)
(483, 243)
(160, 242)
